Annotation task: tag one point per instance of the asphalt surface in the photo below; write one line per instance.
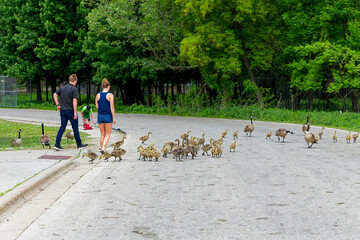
(265, 190)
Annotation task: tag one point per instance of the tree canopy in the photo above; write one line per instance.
(264, 51)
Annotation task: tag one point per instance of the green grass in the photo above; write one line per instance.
(30, 135)
(25, 102)
(199, 106)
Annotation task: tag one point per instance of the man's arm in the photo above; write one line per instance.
(75, 107)
(56, 100)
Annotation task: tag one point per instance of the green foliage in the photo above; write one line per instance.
(322, 63)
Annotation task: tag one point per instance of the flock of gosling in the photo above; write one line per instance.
(188, 145)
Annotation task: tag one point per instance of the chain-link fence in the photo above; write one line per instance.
(8, 92)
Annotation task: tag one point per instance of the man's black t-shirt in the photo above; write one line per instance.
(67, 93)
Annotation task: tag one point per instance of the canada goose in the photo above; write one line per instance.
(306, 126)
(90, 155)
(120, 143)
(334, 137)
(106, 156)
(233, 146)
(16, 142)
(321, 132)
(235, 134)
(143, 139)
(310, 139)
(348, 138)
(69, 135)
(185, 135)
(268, 135)
(224, 133)
(355, 136)
(282, 132)
(249, 128)
(44, 140)
(117, 153)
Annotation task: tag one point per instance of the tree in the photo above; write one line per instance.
(131, 41)
(21, 31)
(59, 49)
(223, 37)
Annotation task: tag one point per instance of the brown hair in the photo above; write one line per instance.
(105, 83)
(73, 78)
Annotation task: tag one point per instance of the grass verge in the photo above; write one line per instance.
(30, 135)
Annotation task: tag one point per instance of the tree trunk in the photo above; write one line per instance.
(79, 100)
(88, 90)
(252, 78)
(47, 90)
(310, 99)
(38, 91)
(355, 100)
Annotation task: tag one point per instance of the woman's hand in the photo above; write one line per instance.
(114, 122)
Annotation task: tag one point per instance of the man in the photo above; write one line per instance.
(68, 110)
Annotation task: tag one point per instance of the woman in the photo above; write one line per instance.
(106, 114)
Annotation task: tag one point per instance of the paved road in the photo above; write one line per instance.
(265, 190)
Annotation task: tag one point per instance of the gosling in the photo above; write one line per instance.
(348, 138)
(355, 136)
(268, 135)
(235, 134)
(224, 133)
(106, 156)
(321, 132)
(334, 137)
(143, 139)
(233, 146)
(69, 135)
(90, 155)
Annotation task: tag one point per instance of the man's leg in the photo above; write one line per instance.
(64, 120)
(75, 127)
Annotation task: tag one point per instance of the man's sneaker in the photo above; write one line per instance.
(82, 146)
(59, 148)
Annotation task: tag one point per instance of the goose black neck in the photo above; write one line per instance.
(19, 134)
(42, 129)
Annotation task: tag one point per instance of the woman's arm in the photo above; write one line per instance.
(112, 107)
(96, 101)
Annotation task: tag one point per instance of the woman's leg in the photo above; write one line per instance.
(108, 129)
(102, 133)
